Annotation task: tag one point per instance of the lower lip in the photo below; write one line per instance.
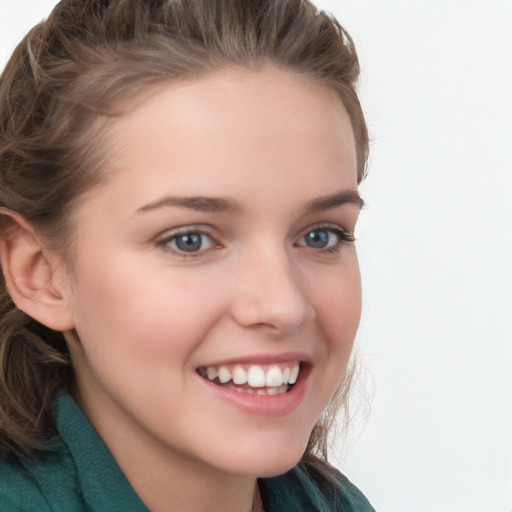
(266, 405)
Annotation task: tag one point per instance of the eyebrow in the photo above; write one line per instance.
(199, 203)
(334, 201)
(227, 205)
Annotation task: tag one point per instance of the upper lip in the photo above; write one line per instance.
(263, 359)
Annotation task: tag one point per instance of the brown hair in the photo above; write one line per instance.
(73, 71)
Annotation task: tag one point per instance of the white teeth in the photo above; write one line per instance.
(239, 375)
(294, 373)
(256, 377)
(261, 392)
(247, 391)
(242, 390)
(211, 372)
(224, 375)
(274, 377)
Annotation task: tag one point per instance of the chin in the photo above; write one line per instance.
(265, 461)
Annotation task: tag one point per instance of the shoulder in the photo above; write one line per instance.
(343, 491)
(39, 485)
(18, 489)
(312, 487)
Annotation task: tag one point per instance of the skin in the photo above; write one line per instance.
(145, 317)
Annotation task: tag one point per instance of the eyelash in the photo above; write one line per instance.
(165, 240)
(341, 234)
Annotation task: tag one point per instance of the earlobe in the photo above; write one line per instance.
(31, 275)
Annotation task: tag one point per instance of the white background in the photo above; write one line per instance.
(435, 246)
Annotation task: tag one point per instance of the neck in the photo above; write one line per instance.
(168, 481)
(189, 485)
(198, 494)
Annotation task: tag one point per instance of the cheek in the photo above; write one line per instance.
(146, 313)
(338, 308)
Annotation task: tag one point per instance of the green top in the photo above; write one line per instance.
(80, 475)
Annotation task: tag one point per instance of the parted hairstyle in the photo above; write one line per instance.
(85, 64)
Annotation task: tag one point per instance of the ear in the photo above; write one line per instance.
(34, 275)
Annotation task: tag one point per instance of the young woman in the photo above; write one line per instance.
(180, 287)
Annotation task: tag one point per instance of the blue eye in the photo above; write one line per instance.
(325, 238)
(190, 242)
(319, 238)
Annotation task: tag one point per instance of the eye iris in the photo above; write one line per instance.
(189, 243)
(317, 239)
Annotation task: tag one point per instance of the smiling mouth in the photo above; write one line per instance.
(254, 379)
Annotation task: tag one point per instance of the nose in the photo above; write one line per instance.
(271, 294)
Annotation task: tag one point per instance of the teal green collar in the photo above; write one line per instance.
(103, 485)
(79, 471)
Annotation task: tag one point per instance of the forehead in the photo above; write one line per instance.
(262, 124)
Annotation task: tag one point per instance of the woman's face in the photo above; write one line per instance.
(218, 249)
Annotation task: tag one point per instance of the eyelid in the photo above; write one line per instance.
(182, 230)
(328, 226)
